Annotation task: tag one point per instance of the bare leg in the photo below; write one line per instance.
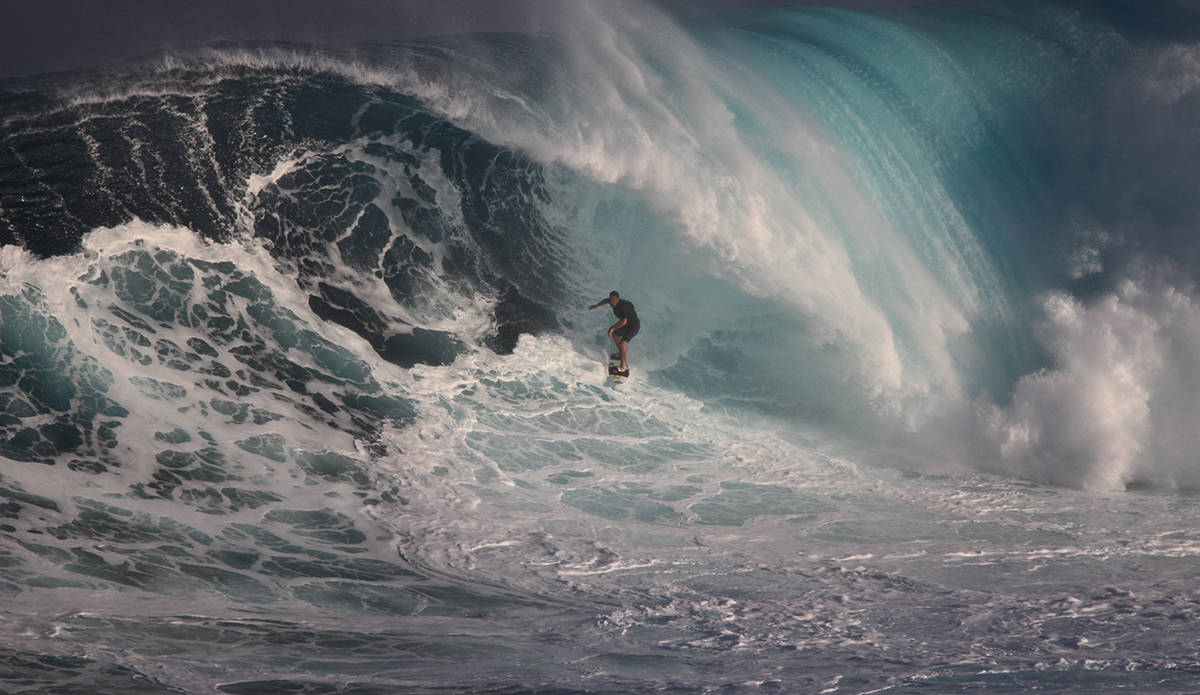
(622, 347)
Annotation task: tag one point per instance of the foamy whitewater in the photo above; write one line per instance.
(299, 392)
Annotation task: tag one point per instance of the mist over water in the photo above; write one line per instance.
(299, 392)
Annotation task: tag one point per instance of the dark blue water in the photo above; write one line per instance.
(299, 392)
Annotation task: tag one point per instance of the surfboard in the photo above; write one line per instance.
(614, 361)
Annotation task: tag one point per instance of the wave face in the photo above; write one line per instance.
(299, 392)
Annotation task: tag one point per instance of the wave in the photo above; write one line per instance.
(852, 241)
(902, 218)
(273, 314)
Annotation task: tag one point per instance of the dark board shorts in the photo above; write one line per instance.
(627, 332)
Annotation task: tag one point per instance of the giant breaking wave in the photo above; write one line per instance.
(272, 312)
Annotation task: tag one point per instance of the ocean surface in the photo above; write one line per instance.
(299, 392)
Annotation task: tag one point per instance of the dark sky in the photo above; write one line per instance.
(38, 36)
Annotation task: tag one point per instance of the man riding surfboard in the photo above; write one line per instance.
(623, 330)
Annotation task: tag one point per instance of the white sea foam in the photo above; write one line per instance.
(1119, 404)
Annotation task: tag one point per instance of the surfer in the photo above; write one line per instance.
(623, 330)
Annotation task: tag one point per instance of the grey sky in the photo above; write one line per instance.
(39, 36)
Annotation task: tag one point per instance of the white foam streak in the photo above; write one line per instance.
(160, 398)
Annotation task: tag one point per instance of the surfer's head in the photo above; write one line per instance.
(613, 297)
